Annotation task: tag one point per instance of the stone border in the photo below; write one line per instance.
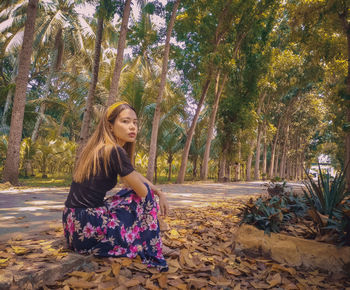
(292, 251)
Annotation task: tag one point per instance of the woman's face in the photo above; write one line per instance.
(125, 127)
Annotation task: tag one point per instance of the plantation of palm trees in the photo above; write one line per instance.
(224, 90)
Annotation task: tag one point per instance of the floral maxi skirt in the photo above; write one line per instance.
(126, 226)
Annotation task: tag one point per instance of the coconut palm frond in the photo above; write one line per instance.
(15, 42)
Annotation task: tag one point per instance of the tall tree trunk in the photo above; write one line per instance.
(7, 106)
(156, 117)
(276, 160)
(84, 134)
(249, 161)
(12, 158)
(221, 29)
(170, 161)
(218, 92)
(346, 26)
(155, 171)
(273, 150)
(238, 164)
(54, 64)
(60, 129)
(302, 158)
(85, 126)
(264, 164)
(41, 113)
(222, 168)
(182, 172)
(195, 161)
(113, 92)
(10, 94)
(284, 153)
(257, 155)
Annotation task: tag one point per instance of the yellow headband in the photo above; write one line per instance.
(111, 108)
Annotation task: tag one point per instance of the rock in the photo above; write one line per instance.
(292, 250)
(286, 252)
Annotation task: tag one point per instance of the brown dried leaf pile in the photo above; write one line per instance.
(204, 259)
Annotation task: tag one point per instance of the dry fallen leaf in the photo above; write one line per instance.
(19, 250)
(274, 280)
(132, 283)
(115, 269)
(162, 280)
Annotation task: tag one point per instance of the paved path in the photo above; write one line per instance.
(24, 211)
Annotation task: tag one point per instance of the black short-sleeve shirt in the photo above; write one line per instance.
(92, 191)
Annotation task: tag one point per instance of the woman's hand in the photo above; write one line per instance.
(163, 203)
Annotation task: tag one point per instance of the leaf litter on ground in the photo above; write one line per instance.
(204, 259)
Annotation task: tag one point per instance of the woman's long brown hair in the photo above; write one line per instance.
(100, 145)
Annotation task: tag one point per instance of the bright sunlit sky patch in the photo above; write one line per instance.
(89, 10)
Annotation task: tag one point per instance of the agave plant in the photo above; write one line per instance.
(326, 195)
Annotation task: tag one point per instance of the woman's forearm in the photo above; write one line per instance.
(156, 190)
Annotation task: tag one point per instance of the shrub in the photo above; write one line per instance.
(329, 204)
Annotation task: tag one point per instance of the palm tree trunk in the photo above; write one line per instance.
(155, 171)
(54, 63)
(60, 129)
(195, 163)
(12, 158)
(156, 117)
(41, 113)
(113, 93)
(84, 133)
(204, 171)
(170, 161)
(7, 106)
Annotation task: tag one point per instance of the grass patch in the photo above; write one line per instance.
(50, 181)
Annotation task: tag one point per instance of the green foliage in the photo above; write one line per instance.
(3, 150)
(342, 225)
(327, 194)
(272, 213)
(330, 204)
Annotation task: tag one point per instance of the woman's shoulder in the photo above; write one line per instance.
(115, 150)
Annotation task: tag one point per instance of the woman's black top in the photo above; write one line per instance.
(92, 191)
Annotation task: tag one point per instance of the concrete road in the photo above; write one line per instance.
(24, 211)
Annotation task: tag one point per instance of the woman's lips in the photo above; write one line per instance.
(132, 135)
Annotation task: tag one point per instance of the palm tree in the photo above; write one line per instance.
(156, 117)
(12, 158)
(119, 60)
(61, 23)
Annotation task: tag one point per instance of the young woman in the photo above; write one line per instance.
(126, 224)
